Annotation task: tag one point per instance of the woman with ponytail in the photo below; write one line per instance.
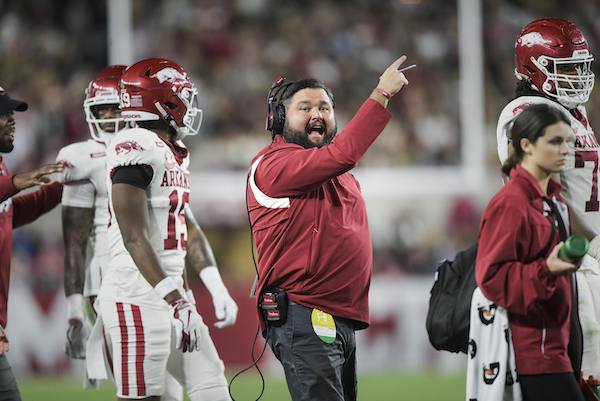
(515, 229)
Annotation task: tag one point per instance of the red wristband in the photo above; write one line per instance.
(384, 93)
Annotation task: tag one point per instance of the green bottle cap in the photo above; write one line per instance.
(575, 247)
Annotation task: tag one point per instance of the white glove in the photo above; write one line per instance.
(79, 327)
(225, 307)
(186, 322)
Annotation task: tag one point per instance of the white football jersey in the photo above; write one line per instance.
(580, 177)
(84, 177)
(168, 195)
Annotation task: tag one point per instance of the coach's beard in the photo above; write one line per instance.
(301, 137)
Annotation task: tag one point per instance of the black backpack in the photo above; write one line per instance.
(450, 303)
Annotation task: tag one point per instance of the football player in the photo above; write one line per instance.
(143, 307)
(85, 206)
(553, 66)
(85, 216)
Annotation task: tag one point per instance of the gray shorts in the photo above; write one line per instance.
(315, 369)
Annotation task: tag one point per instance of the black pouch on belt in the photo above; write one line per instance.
(274, 305)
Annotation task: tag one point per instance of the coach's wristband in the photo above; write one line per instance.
(384, 93)
(165, 287)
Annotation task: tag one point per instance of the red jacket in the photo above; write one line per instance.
(310, 221)
(15, 212)
(515, 227)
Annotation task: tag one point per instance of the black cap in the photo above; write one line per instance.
(8, 105)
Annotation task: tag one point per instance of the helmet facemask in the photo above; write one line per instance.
(103, 92)
(192, 119)
(570, 90)
(95, 123)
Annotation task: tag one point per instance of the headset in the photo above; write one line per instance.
(275, 110)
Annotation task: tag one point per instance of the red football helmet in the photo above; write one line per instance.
(554, 56)
(103, 91)
(156, 89)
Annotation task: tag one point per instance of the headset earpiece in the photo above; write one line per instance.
(276, 111)
(279, 120)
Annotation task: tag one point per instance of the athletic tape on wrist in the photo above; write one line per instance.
(212, 279)
(165, 287)
(75, 306)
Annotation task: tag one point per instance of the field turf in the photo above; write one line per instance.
(247, 387)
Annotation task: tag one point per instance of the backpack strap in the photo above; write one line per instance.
(562, 229)
(553, 216)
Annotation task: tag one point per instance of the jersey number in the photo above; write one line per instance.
(176, 211)
(589, 156)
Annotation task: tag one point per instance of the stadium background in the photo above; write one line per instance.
(426, 180)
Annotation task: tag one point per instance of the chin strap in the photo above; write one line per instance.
(168, 118)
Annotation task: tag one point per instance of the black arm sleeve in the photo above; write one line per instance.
(138, 175)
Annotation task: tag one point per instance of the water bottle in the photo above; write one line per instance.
(574, 248)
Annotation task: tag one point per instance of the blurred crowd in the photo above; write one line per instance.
(50, 50)
(235, 49)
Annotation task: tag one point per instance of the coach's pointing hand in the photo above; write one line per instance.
(390, 82)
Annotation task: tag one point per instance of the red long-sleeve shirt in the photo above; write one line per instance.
(310, 221)
(15, 212)
(515, 228)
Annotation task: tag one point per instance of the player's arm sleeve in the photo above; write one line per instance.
(138, 175)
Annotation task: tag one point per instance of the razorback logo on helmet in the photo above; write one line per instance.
(127, 146)
(170, 75)
(487, 314)
(533, 38)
